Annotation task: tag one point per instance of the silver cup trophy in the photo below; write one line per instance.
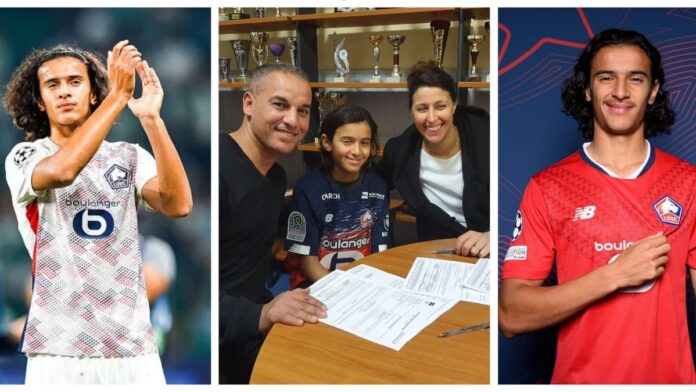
(439, 30)
(224, 69)
(292, 44)
(241, 56)
(476, 35)
(276, 50)
(396, 40)
(375, 39)
(259, 42)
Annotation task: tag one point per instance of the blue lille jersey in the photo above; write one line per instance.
(336, 225)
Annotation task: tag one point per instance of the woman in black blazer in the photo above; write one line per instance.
(440, 164)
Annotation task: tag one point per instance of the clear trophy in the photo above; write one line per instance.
(276, 50)
(396, 40)
(476, 35)
(241, 56)
(292, 44)
(341, 62)
(439, 30)
(222, 14)
(259, 42)
(375, 39)
(224, 69)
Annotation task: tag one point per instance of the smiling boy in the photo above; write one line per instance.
(616, 219)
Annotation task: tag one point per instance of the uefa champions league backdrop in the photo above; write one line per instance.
(176, 42)
(537, 50)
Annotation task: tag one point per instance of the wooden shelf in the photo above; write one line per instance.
(314, 148)
(275, 23)
(358, 85)
(381, 17)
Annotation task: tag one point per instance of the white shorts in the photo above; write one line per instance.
(57, 369)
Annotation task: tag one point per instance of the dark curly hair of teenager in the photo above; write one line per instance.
(659, 116)
(340, 116)
(22, 97)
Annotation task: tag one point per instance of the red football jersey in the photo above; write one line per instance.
(575, 214)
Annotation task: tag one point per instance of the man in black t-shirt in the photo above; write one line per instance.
(252, 186)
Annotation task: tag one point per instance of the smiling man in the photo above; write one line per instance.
(252, 187)
(616, 219)
(76, 198)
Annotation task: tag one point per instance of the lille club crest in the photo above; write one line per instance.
(668, 210)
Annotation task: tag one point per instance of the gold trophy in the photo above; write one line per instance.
(375, 40)
(439, 30)
(396, 40)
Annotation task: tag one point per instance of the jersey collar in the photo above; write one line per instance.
(643, 168)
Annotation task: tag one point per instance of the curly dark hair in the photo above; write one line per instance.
(429, 74)
(659, 116)
(22, 97)
(340, 116)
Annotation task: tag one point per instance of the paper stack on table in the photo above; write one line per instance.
(389, 310)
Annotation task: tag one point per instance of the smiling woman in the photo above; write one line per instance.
(440, 164)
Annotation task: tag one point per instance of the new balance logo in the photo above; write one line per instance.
(584, 212)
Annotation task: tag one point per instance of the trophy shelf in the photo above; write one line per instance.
(314, 148)
(356, 86)
(267, 24)
(383, 17)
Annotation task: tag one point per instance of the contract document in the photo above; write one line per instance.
(374, 311)
(449, 279)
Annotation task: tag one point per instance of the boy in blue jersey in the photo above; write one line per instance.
(340, 212)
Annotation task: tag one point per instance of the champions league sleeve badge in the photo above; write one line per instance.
(23, 154)
(668, 210)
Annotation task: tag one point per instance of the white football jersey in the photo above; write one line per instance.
(89, 296)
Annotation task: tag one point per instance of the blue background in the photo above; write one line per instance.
(537, 50)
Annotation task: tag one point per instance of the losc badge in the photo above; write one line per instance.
(668, 210)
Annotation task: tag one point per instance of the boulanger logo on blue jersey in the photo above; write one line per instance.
(93, 224)
(668, 210)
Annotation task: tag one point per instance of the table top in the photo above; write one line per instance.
(321, 354)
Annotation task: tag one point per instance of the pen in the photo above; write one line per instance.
(470, 328)
(445, 251)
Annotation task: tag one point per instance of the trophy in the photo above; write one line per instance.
(276, 50)
(333, 99)
(396, 41)
(439, 30)
(475, 37)
(277, 12)
(292, 43)
(238, 13)
(241, 56)
(222, 15)
(260, 12)
(260, 50)
(375, 40)
(341, 62)
(224, 69)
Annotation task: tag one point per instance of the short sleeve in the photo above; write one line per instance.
(146, 170)
(19, 167)
(302, 235)
(380, 231)
(531, 251)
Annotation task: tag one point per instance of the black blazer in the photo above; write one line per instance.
(400, 168)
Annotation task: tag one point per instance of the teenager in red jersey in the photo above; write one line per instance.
(616, 218)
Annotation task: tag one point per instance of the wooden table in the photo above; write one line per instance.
(321, 354)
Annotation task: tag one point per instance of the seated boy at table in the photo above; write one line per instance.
(340, 212)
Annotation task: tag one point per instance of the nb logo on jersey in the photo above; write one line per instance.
(584, 212)
(93, 224)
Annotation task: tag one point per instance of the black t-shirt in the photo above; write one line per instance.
(250, 204)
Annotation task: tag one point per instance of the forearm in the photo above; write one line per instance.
(63, 167)
(311, 269)
(174, 189)
(526, 306)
